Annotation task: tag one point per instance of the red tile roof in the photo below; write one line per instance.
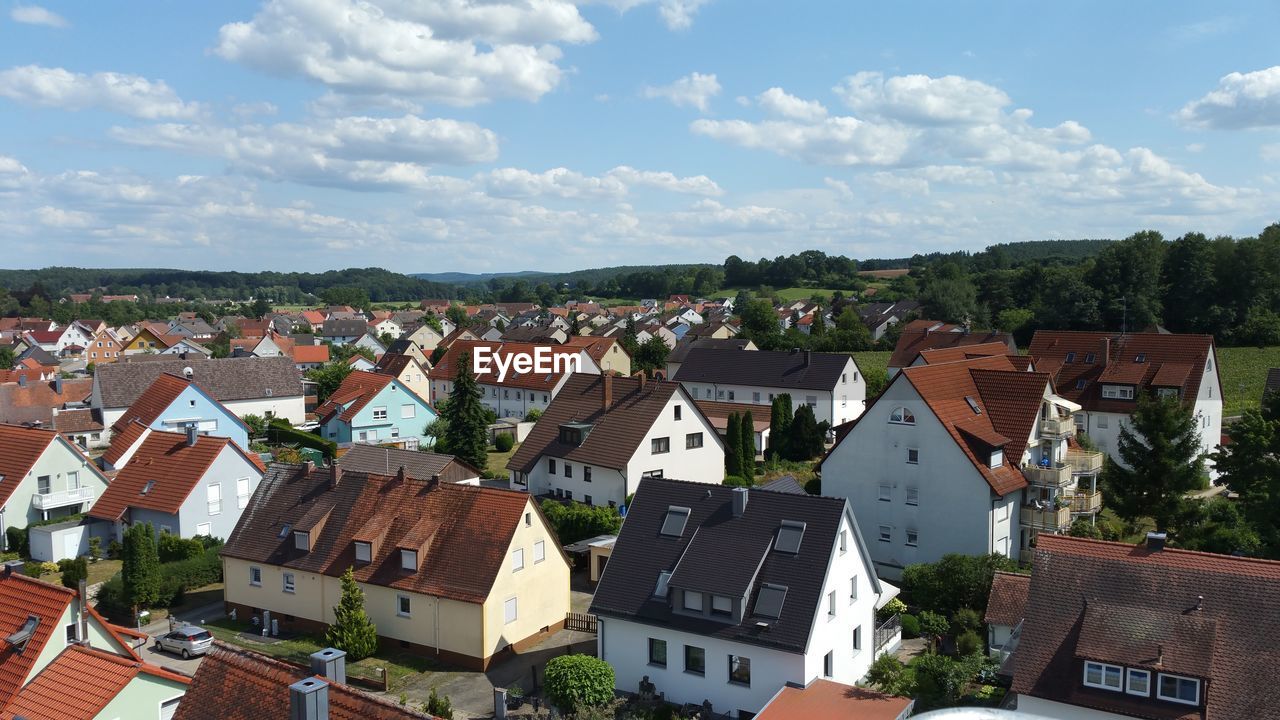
(20, 447)
(123, 439)
(357, 388)
(1167, 361)
(21, 597)
(1008, 601)
(1212, 616)
(174, 466)
(236, 684)
(917, 337)
(78, 684)
(964, 352)
(828, 700)
(311, 353)
(153, 401)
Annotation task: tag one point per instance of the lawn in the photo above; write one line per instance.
(1244, 371)
(498, 460)
(298, 649)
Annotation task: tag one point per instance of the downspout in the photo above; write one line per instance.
(438, 626)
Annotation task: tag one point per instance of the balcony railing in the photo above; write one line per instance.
(887, 632)
(1058, 475)
(1086, 502)
(1084, 462)
(62, 498)
(1048, 519)
(1058, 427)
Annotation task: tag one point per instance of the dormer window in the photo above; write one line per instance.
(902, 416)
(302, 540)
(1138, 682)
(409, 560)
(1103, 676)
(1117, 392)
(364, 552)
(997, 458)
(1179, 689)
(692, 601)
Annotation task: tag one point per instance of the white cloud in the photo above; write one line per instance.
(776, 101)
(60, 218)
(245, 111)
(1241, 101)
(693, 90)
(833, 141)
(11, 166)
(116, 92)
(36, 15)
(1195, 147)
(1269, 152)
(840, 187)
(921, 99)
(560, 182)
(460, 52)
(675, 14)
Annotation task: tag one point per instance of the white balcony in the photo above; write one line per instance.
(1058, 427)
(1058, 475)
(62, 498)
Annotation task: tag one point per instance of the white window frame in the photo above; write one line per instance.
(853, 589)
(902, 416)
(401, 599)
(242, 492)
(692, 601)
(214, 496)
(409, 560)
(844, 542)
(380, 412)
(408, 410)
(287, 583)
(886, 533)
(916, 452)
(511, 610)
(1160, 689)
(857, 640)
(913, 496)
(886, 492)
(255, 576)
(831, 605)
(1102, 669)
(204, 528)
(365, 549)
(910, 535)
(517, 560)
(539, 552)
(1129, 673)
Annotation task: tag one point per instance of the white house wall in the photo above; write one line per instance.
(840, 404)
(704, 464)
(226, 469)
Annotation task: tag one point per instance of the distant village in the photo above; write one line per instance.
(328, 513)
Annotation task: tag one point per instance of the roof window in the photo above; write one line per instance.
(769, 601)
(973, 405)
(1141, 358)
(789, 537)
(147, 488)
(673, 524)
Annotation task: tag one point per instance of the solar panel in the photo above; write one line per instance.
(674, 523)
(789, 536)
(973, 405)
(769, 601)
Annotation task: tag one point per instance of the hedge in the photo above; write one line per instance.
(176, 578)
(278, 432)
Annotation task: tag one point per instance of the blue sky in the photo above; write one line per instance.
(500, 135)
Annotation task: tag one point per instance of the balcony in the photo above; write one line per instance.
(1058, 427)
(1084, 462)
(1058, 475)
(1086, 502)
(1052, 519)
(62, 498)
(888, 634)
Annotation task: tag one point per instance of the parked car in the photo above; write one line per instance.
(187, 641)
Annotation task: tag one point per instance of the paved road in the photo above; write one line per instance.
(168, 660)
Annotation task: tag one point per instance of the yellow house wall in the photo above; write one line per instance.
(541, 589)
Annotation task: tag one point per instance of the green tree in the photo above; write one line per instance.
(760, 323)
(261, 306)
(954, 582)
(7, 358)
(779, 425)
(650, 355)
(1013, 319)
(804, 438)
(747, 441)
(733, 447)
(457, 315)
(465, 433)
(578, 521)
(932, 627)
(438, 706)
(1127, 275)
(819, 326)
(328, 378)
(1221, 526)
(352, 631)
(75, 571)
(890, 676)
(141, 567)
(1250, 467)
(572, 681)
(257, 425)
(1160, 450)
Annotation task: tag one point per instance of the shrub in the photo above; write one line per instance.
(891, 608)
(112, 601)
(968, 643)
(573, 680)
(16, 540)
(438, 706)
(74, 571)
(191, 573)
(504, 442)
(954, 582)
(889, 675)
(933, 626)
(95, 548)
(37, 569)
(910, 626)
(813, 486)
(532, 415)
(115, 549)
(577, 521)
(738, 481)
(173, 548)
(352, 631)
(965, 619)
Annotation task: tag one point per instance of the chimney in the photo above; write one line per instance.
(309, 699)
(1159, 655)
(57, 384)
(311, 466)
(400, 475)
(84, 611)
(13, 566)
(1106, 351)
(1155, 541)
(335, 474)
(807, 355)
(331, 664)
(643, 377)
(434, 482)
(739, 501)
(192, 433)
(22, 379)
(607, 398)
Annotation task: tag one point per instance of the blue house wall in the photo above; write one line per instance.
(407, 415)
(193, 405)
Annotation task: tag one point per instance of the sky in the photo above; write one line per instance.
(506, 135)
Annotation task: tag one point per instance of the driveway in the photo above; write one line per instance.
(170, 661)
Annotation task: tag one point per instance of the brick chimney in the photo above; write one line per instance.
(607, 394)
(335, 473)
(400, 475)
(1106, 351)
(643, 377)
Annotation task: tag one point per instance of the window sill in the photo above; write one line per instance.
(739, 683)
(662, 666)
(255, 584)
(695, 672)
(403, 615)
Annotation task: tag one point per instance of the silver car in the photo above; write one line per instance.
(186, 641)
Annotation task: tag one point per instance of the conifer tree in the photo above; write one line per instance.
(779, 425)
(804, 438)
(352, 631)
(465, 432)
(733, 447)
(1162, 463)
(141, 568)
(747, 431)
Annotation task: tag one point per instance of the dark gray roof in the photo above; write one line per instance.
(42, 356)
(786, 484)
(1273, 382)
(798, 369)
(722, 554)
(226, 379)
(690, 341)
(386, 461)
(343, 327)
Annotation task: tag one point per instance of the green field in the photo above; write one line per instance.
(871, 360)
(1244, 371)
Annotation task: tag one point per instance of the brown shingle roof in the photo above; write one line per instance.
(829, 700)
(471, 527)
(82, 420)
(916, 337)
(35, 402)
(225, 379)
(1008, 600)
(153, 401)
(964, 352)
(236, 684)
(1119, 601)
(166, 459)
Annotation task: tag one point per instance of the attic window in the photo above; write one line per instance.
(23, 634)
(1090, 357)
(284, 531)
(1081, 383)
(997, 458)
(902, 416)
(789, 536)
(147, 488)
(673, 524)
(1071, 357)
(408, 559)
(1142, 357)
(769, 601)
(364, 552)
(973, 405)
(302, 540)
(664, 577)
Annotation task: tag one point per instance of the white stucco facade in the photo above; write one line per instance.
(843, 402)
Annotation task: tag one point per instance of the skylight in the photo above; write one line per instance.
(1142, 357)
(1080, 384)
(147, 488)
(769, 601)
(1071, 357)
(675, 520)
(1090, 357)
(664, 577)
(973, 405)
(789, 536)
(284, 531)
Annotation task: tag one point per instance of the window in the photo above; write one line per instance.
(408, 559)
(853, 588)
(692, 601)
(651, 474)
(719, 394)
(510, 610)
(828, 665)
(288, 582)
(586, 473)
(1117, 392)
(913, 456)
(1081, 383)
(1103, 422)
(242, 492)
(721, 605)
(204, 529)
(568, 470)
(1090, 357)
(380, 413)
(364, 552)
(255, 576)
(72, 635)
(913, 496)
(844, 378)
(551, 466)
(73, 480)
(831, 604)
(302, 540)
(587, 499)
(857, 640)
(730, 396)
(844, 401)
(886, 492)
(1101, 675)
(695, 660)
(886, 533)
(402, 605)
(755, 397)
(844, 542)
(693, 440)
(215, 498)
(1138, 682)
(657, 652)
(1176, 688)
(1071, 357)
(902, 416)
(408, 410)
(677, 410)
(44, 484)
(913, 538)
(539, 552)
(739, 670)
(657, 446)
(811, 401)
(661, 589)
(790, 534)
(997, 458)
(191, 403)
